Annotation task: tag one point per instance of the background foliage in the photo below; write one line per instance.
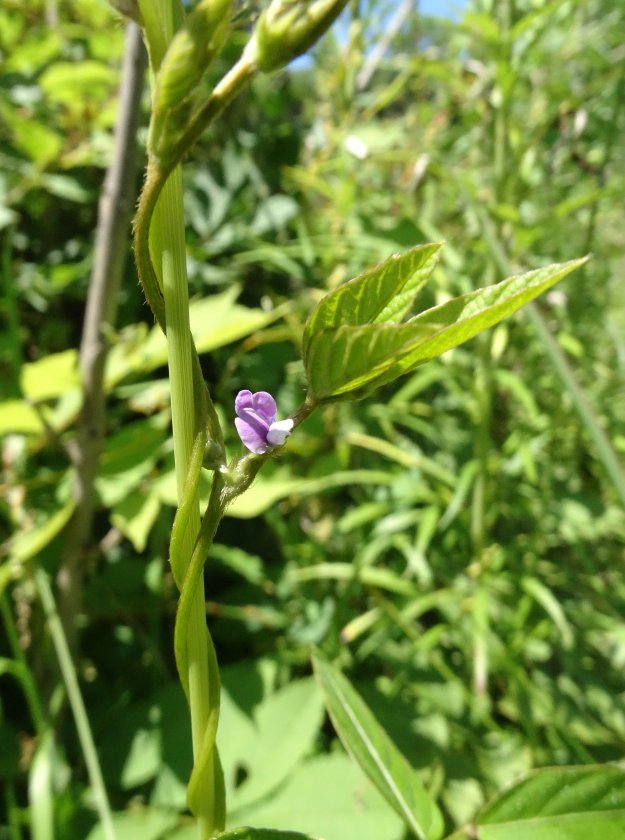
(455, 543)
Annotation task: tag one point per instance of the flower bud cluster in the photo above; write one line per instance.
(287, 28)
(191, 52)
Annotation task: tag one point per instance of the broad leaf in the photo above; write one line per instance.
(140, 824)
(382, 295)
(559, 803)
(263, 834)
(283, 726)
(50, 376)
(377, 755)
(356, 359)
(327, 796)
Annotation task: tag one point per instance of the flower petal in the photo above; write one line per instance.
(265, 404)
(253, 433)
(279, 432)
(244, 399)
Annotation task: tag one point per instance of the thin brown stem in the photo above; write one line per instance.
(114, 214)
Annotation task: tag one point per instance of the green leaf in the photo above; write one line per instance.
(264, 493)
(36, 140)
(216, 320)
(72, 83)
(284, 725)
(50, 376)
(559, 803)
(27, 544)
(263, 834)
(19, 417)
(128, 457)
(356, 359)
(327, 796)
(552, 606)
(381, 295)
(135, 516)
(377, 755)
(144, 824)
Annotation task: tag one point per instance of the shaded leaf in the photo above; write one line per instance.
(284, 725)
(27, 544)
(144, 824)
(263, 834)
(328, 797)
(377, 755)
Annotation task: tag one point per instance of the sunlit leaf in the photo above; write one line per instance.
(16, 416)
(50, 376)
(135, 515)
(356, 359)
(381, 295)
(216, 320)
(558, 803)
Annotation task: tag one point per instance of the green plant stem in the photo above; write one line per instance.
(168, 239)
(77, 704)
(603, 446)
(158, 172)
(161, 265)
(12, 329)
(207, 769)
(22, 670)
(13, 829)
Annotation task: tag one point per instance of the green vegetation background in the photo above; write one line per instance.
(455, 543)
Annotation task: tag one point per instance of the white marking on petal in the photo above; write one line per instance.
(279, 432)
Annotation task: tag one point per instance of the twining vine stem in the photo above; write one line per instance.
(160, 267)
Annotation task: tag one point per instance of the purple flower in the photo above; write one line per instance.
(256, 421)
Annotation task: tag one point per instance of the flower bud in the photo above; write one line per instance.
(191, 52)
(214, 458)
(289, 27)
